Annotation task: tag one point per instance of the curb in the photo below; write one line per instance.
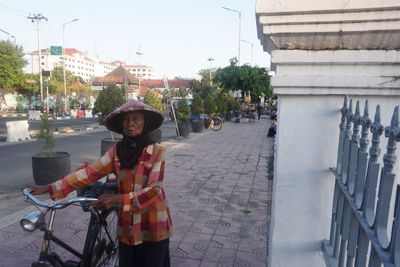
(14, 115)
(33, 133)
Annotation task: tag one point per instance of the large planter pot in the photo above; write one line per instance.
(107, 143)
(155, 135)
(197, 126)
(50, 167)
(184, 129)
(228, 116)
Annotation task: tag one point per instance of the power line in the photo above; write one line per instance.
(14, 10)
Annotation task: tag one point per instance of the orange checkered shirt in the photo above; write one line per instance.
(144, 215)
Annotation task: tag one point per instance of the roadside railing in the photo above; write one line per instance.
(365, 228)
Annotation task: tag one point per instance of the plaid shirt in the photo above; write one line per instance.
(144, 215)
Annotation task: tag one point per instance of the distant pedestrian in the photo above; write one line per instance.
(259, 111)
(144, 220)
(272, 129)
(274, 116)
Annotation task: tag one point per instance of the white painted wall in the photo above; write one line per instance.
(307, 140)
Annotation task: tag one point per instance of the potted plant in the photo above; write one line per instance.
(49, 166)
(232, 105)
(210, 108)
(108, 100)
(182, 116)
(197, 109)
(153, 101)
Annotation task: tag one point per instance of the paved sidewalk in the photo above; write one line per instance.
(220, 197)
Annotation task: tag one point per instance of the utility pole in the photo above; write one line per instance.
(38, 18)
(251, 58)
(211, 60)
(139, 54)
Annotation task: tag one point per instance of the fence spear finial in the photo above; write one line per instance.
(366, 109)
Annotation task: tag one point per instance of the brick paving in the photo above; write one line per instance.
(220, 197)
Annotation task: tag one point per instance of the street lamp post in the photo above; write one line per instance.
(211, 60)
(9, 34)
(240, 22)
(251, 58)
(63, 56)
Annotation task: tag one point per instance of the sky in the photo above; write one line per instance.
(175, 37)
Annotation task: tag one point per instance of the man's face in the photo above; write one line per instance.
(132, 123)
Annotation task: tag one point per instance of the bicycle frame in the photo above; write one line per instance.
(53, 258)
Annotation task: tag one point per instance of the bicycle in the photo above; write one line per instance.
(213, 122)
(101, 246)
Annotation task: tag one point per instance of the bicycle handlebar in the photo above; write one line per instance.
(56, 205)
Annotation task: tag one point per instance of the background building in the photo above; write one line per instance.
(80, 64)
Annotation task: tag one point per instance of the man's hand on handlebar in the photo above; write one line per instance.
(38, 189)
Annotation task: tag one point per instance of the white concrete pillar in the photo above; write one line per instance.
(321, 50)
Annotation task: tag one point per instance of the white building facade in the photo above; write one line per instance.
(142, 71)
(80, 64)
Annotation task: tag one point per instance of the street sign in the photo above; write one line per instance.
(45, 73)
(55, 50)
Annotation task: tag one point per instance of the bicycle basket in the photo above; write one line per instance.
(95, 190)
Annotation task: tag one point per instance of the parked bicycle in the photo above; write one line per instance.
(101, 246)
(213, 122)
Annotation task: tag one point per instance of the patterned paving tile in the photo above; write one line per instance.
(192, 238)
(250, 259)
(190, 251)
(220, 255)
(224, 242)
(183, 262)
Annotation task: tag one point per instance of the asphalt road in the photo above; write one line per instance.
(16, 166)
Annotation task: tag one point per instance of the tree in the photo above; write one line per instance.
(210, 106)
(204, 86)
(31, 84)
(108, 100)
(11, 65)
(245, 78)
(152, 100)
(197, 107)
(74, 83)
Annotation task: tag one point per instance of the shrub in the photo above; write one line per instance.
(152, 100)
(232, 103)
(46, 134)
(183, 111)
(197, 107)
(210, 106)
(108, 100)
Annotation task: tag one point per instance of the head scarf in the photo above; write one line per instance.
(130, 148)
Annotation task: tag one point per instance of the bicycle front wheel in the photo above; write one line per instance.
(104, 242)
(216, 123)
